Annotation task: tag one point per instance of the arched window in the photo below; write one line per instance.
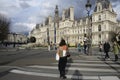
(99, 28)
(99, 17)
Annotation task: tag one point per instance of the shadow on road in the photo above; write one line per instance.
(4, 63)
(2, 74)
(77, 75)
(109, 64)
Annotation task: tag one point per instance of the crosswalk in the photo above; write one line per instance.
(76, 70)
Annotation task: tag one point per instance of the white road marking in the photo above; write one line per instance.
(53, 75)
(68, 76)
(92, 61)
(76, 68)
(91, 64)
(109, 78)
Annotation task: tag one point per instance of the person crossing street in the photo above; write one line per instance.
(106, 48)
(116, 48)
(62, 52)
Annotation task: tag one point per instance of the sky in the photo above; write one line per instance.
(25, 14)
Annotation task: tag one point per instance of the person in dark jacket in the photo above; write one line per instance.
(106, 48)
(85, 48)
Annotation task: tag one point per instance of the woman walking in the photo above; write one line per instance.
(116, 50)
(63, 58)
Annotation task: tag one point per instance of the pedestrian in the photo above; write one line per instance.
(100, 47)
(79, 47)
(62, 52)
(106, 48)
(55, 47)
(116, 48)
(48, 47)
(85, 48)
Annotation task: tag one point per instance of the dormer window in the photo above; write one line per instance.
(99, 8)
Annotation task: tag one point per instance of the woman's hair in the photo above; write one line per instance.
(62, 42)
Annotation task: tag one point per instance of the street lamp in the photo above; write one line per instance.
(48, 41)
(88, 7)
(89, 36)
(56, 22)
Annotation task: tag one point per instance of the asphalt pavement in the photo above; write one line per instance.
(40, 64)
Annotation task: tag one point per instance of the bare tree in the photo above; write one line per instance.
(4, 27)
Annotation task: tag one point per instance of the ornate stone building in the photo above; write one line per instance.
(104, 24)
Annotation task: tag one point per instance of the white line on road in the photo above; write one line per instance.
(109, 78)
(53, 75)
(93, 61)
(68, 76)
(75, 68)
(91, 64)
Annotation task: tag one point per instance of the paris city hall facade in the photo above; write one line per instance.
(103, 24)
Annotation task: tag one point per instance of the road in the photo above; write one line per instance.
(40, 64)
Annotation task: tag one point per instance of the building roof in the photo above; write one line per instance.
(105, 4)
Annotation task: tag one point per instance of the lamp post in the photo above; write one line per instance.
(48, 41)
(14, 42)
(54, 33)
(89, 36)
(56, 24)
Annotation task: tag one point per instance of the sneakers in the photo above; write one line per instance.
(108, 59)
(63, 77)
(105, 59)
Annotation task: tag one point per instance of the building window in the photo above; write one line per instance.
(84, 30)
(99, 17)
(99, 36)
(99, 28)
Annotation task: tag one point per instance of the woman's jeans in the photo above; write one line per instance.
(61, 65)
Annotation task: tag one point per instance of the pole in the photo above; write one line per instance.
(14, 39)
(89, 35)
(54, 34)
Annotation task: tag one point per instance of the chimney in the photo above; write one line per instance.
(63, 15)
(71, 13)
